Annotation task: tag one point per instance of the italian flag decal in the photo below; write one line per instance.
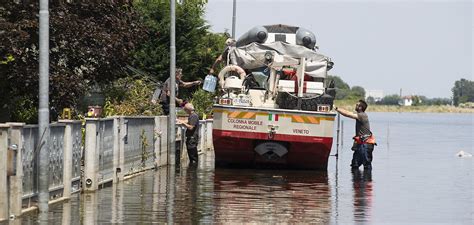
(272, 117)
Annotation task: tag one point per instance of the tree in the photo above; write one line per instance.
(196, 46)
(390, 100)
(90, 43)
(370, 100)
(342, 88)
(463, 91)
(358, 92)
(339, 83)
(439, 101)
(416, 100)
(424, 100)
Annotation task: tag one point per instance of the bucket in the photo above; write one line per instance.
(94, 111)
(210, 83)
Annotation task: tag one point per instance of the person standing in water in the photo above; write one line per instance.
(364, 140)
(192, 132)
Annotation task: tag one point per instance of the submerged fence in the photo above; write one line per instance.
(84, 157)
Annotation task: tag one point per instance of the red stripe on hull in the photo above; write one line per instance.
(237, 147)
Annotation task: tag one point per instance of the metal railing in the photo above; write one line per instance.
(83, 157)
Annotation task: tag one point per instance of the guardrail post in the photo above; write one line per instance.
(156, 142)
(16, 182)
(118, 166)
(3, 172)
(67, 158)
(202, 136)
(122, 135)
(209, 142)
(171, 154)
(91, 156)
(163, 136)
(180, 154)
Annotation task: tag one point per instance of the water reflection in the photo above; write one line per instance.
(117, 202)
(200, 194)
(90, 210)
(363, 189)
(243, 196)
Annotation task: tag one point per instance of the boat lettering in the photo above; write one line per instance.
(244, 127)
(300, 131)
(240, 121)
(253, 122)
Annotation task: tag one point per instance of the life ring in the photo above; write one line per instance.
(230, 68)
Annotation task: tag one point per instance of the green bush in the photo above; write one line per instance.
(203, 101)
(131, 97)
(24, 110)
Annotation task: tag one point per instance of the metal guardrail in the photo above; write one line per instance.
(28, 160)
(56, 160)
(76, 160)
(139, 144)
(105, 147)
(84, 157)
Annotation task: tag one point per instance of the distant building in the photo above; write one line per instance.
(406, 100)
(377, 95)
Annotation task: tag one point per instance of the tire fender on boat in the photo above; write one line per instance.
(230, 68)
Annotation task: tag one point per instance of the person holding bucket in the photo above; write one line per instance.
(211, 80)
(163, 93)
(223, 57)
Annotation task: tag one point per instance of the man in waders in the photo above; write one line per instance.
(364, 141)
(192, 132)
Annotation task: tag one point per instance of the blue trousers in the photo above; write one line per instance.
(362, 156)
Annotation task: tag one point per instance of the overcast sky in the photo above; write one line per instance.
(422, 47)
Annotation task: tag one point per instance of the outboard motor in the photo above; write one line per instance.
(257, 34)
(305, 38)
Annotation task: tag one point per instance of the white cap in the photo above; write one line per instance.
(230, 42)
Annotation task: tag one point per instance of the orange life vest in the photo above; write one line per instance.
(365, 140)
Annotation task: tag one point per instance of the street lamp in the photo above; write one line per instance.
(43, 112)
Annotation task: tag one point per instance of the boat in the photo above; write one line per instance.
(275, 103)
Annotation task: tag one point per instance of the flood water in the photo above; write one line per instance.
(416, 179)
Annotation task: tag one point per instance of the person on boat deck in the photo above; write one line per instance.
(192, 132)
(364, 141)
(164, 97)
(223, 57)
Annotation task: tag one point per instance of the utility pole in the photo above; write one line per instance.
(172, 115)
(233, 19)
(43, 112)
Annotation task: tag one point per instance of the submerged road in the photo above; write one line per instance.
(412, 182)
(202, 194)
